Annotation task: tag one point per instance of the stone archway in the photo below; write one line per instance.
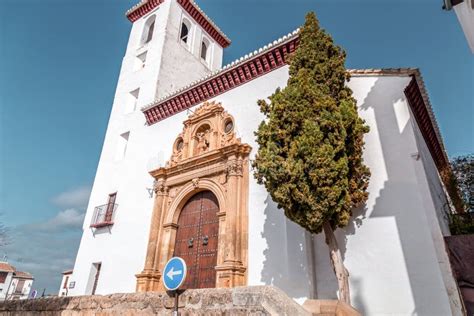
(207, 156)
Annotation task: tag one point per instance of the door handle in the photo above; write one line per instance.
(205, 240)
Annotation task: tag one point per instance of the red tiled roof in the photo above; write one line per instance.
(68, 271)
(6, 267)
(23, 275)
(274, 56)
(145, 6)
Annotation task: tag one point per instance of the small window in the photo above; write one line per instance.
(140, 61)
(122, 146)
(148, 28)
(131, 102)
(3, 277)
(103, 215)
(204, 50)
(184, 33)
(150, 32)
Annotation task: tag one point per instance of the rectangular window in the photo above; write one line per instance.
(19, 287)
(65, 282)
(122, 143)
(132, 100)
(3, 277)
(104, 214)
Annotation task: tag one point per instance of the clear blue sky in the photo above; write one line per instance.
(59, 64)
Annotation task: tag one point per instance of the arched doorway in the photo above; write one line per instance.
(197, 239)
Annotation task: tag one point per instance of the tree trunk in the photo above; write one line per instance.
(342, 275)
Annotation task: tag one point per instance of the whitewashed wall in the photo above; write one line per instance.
(122, 249)
(4, 286)
(390, 248)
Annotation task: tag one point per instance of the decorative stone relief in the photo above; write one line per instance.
(206, 155)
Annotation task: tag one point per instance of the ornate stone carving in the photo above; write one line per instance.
(195, 183)
(234, 167)
(160, 188)
(206, 155)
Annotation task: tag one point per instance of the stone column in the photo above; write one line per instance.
(147, 280)
(231, 272)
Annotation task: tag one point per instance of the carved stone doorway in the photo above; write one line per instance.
(209, 164)
(197, 239)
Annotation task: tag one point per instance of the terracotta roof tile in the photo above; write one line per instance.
(23, 275)
(6, 267)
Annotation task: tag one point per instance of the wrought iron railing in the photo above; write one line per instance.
(103, 215)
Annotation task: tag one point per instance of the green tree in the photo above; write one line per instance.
(311, 143)
(463, 171)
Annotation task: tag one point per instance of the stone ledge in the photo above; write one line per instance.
(253, 300)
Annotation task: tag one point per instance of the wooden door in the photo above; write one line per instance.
(196, 240)
(110, 207)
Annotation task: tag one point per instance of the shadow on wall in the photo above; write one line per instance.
(398, 200)
(286, 262)
(408, 258)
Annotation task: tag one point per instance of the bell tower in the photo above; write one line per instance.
(172, 43)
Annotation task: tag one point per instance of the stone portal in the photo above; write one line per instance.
(209, 159)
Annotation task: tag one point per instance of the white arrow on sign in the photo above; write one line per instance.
(171, 273)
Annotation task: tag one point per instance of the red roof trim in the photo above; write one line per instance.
(225, 81)
(423, 118)
(143, 9)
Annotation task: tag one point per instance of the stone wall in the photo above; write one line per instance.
(255, 300)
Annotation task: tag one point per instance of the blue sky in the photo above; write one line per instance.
(59, 65)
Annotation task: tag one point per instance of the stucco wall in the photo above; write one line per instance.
(389, 246)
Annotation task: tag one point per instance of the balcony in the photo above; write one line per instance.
(103, 215)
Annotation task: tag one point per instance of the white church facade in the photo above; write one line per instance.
(175, 178)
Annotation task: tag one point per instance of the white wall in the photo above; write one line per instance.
(64, 283)
(465, 14)
(4, 286)
(24, 290)
(121, 247)
(389, 247)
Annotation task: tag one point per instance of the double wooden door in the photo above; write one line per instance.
(197, 240)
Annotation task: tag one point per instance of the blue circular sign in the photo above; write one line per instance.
(174, 273)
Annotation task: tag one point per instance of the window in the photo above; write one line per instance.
(65, 282)
(204, 50)
(140, 62)
(148, 29)
(131, 102)
(19, 287)
(184, 32)
(3, 277)
(150, 32)
(93, 279)
(104, 214)
(122, 142)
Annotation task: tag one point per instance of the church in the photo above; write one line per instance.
(175, 179)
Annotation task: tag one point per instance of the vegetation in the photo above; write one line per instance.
(461, 187)
(311, 143)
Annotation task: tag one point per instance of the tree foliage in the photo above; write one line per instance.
(311, 143)
(463, 171)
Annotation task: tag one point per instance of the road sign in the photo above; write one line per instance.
(174, 273)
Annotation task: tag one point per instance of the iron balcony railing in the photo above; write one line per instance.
(103, 215)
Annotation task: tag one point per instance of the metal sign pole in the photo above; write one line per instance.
(176, 298)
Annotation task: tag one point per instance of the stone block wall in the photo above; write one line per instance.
(254, 300)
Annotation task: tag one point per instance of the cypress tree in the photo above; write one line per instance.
(311, 143)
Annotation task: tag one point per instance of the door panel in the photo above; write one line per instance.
(197, 238)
